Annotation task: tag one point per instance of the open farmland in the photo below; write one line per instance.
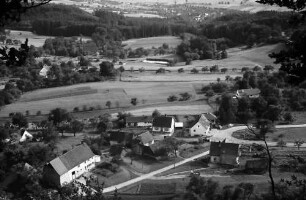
(237, 58)
(204, 78)
(148, 43)
(97, 94)
(289, 134)
(35, 40)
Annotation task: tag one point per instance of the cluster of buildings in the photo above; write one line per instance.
(144, 136)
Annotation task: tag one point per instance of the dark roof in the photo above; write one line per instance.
(162, 121)
(247, 92)
(153, 149)
(146, 137)
(120, 136)
(72, 158)
(201, 119)
(219, 148)
(135, 119)
(210, 116)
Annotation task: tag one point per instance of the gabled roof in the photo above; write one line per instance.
(72, 158)
(134, 119)
(248, 92)
(210, 116)
(199, 119)
(146, 137)
(204, 121)
(163, 121)
(221, 148)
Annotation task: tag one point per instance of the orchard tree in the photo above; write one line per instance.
(172, 143)
(224, 70)
(107, 69)
(180, 70)
(59, 115)
(109, 104)
(205, 69)
(298, 143)
(156, 113)
(76, 126)
(49, 134)
(20, 120)
(134, 101)
(194, 71)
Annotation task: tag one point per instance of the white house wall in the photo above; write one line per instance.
(198, 129)
(79, 170)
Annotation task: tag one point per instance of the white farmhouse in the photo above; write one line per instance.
(26, 136)
(44, 71)
(200, 127)
(72, 164)
(163, 125)
(250, 93)
(139, 121)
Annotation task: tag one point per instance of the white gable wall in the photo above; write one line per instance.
(198, 129)
(79, 170)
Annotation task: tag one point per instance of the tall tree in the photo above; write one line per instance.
(20, 120)
(76, 126)
(59, 115)
(265, 127)
(293, 59)
(227, 109)
(11, 10)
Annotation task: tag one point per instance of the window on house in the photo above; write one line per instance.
(73, 173)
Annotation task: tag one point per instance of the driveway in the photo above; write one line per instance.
(220, 135)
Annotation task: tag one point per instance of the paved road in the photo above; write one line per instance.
(220, 135)
(149, 175)
(217, 135)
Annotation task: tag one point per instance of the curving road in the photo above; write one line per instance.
(219, 135)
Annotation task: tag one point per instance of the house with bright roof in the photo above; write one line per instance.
(44, 71)
(250, 93)
(139, 121)
(200, 126)
(72, 164)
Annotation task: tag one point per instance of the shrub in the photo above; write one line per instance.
(76, 109)
(172, 98)
(180, 70)
(210, 93)
(194, 71)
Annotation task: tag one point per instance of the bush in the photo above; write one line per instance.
(172, 98)
(194, 71)
(160, 70)
(210, 93)
(180, 70)
(185, 96)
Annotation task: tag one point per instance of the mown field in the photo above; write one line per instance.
(148, 43)
(237, 58)
(96, 95)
